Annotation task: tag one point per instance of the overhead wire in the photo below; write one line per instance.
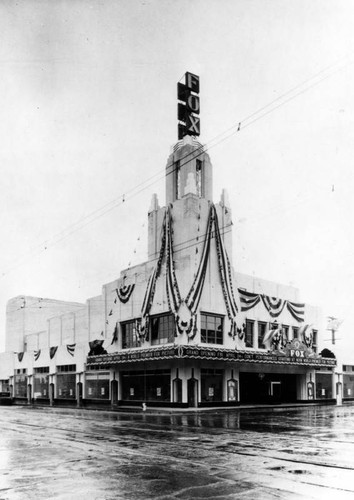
(240, 125)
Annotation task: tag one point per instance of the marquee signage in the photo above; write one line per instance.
(189, 107)
(292, 357)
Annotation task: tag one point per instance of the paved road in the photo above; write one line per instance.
(299, 453)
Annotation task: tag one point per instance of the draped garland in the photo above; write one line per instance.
(226, 279)
(151, 287)
(185, 311)
(124, 292)
(37, 354)
(71, 349)
(274, 306)
(52, 351)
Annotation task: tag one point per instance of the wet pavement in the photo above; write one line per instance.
(294, 453)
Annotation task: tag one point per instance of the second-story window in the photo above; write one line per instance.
(295, 332)
(130, 337)
(261, 332)
(199, 178)
(162, 329)
(177, 168)
(249, 333)
(211, 329)
(314, 340)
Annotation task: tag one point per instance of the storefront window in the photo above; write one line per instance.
(162, 329)
(20, 384)
(41, 382)
(211, 385)
(324, 386)
(211, 329)
(97, 385)
(150, 385)
(66, 382)
(130, 337)
(348, 381)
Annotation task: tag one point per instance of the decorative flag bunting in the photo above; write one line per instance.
(306, 334)
(20, 356)
(37, 354)
(71, 349)
(273, 305)
(115, 334)
(184, 311)
(226, 278)
(151, 287)
(52, 352)
(124, 292)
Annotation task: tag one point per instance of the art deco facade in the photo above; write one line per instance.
(185, 328)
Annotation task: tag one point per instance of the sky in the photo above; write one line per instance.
(89, 114)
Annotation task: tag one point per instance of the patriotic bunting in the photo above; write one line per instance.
(71, 349)
(37, 354)
(52, 352)
(124, 292)
(151, 287)
(273, 305)
(185, 311)
(115, 334)
(20, 356)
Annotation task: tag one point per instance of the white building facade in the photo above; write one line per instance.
(183, 329)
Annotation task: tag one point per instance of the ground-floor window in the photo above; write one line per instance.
(41, 382)
(348, 382)
(66, 385)
(97, 385)
(150, 385)
(211, 385)
(324, 386)
(20, 386)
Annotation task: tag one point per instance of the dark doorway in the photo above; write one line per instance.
(267, 388)
(192, 389)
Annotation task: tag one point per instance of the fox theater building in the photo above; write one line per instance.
(183, 329)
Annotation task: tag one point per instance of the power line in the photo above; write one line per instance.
(134, 191)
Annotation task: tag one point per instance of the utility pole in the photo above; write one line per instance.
(333, 325)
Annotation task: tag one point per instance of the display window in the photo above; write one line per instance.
(97, 385)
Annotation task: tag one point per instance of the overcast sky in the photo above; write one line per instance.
(88, 114)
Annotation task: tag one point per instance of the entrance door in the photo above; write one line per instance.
(192, 389)
(114, 392)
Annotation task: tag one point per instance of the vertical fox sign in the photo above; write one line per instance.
(188, 106)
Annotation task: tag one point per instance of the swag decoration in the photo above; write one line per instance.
(124, 292)
(52, 351)
(226, 280)
(305, 333)
(71, 349)
(20, 356)
(37, 354)
(184, 310)
(115, 334)
(143, 329)
(273, 305)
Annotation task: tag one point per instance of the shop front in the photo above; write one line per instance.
(183, 376)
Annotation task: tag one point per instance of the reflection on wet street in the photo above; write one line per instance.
(293, 453)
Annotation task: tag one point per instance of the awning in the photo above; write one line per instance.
(210, 353)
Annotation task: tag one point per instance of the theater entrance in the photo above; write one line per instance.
(267, 388)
